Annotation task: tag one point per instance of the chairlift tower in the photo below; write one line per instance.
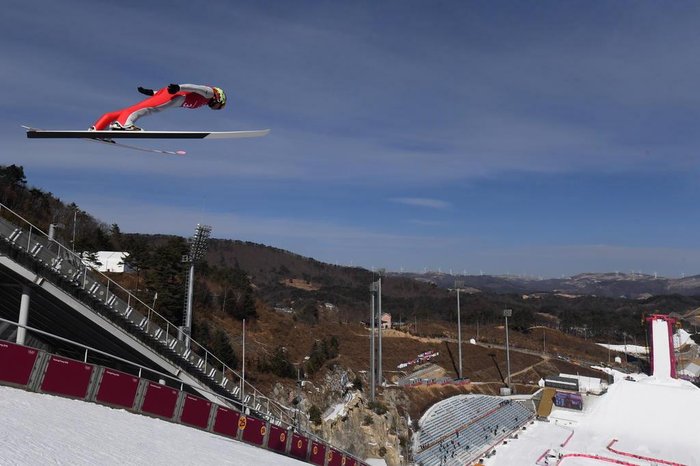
(198, 247)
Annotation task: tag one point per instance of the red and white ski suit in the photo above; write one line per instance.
(189, 96)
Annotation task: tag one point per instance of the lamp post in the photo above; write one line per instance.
(380, 374)
(507, 313)
(243, 372)
(372, 350)
(298, 396)
(458, 286)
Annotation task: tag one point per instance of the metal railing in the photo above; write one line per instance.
(133, 315)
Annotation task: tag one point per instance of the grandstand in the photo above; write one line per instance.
(461, 429)
(68, 330)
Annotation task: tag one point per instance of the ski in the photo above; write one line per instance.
(114, 143)
(143, 149)
(44, 133)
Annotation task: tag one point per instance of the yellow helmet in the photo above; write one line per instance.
(219, 100)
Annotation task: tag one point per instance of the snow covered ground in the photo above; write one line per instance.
(653, 417)
(680, 338)
(45, 429)
(634, 350)
(375, 462)
(338, 410)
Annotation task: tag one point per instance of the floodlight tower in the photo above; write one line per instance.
(198, 247)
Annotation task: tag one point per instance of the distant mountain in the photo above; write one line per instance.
(611, 285)
(271, 266)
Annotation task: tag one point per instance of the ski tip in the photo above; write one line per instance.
(180, 152)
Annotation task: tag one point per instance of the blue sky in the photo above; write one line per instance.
(542, 138)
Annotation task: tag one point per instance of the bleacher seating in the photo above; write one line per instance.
(461, 429)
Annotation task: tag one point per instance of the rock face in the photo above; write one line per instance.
(369, 430)
(351, 422)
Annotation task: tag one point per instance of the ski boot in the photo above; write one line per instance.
(116, 126)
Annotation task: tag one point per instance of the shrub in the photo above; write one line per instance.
(377, 407)
(315, 414)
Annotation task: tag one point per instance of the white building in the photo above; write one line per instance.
(386, 320)
(691, 370)
(592, 385)
(109, 261)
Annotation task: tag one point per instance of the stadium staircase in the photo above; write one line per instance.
(544, 407)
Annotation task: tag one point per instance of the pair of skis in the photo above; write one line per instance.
(108, 137)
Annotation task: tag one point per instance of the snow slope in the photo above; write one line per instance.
(653, 417)
(45, 429)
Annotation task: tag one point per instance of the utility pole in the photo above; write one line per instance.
(376, 378)
(458, 285)
(243, 372)
(507, 313)
(544, 341)
(75, 220)
(372, 350)
(296, 417)
(381, 321)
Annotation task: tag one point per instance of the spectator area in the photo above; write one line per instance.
(461, 429)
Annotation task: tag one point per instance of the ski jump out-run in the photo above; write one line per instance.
(120, 124)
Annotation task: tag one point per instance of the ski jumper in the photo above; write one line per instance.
(190, 96)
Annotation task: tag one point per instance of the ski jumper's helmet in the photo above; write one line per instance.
(219, 100)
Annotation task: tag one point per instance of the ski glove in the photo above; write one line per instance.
(173, 89)
(145, 91)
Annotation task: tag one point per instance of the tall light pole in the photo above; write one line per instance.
(198, 247)
(243, 372)
(507, 313)
(458, 286)
(380, 376)
(372, 350)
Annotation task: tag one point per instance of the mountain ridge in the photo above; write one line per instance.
(603, 284)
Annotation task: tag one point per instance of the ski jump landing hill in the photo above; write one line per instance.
(642, 420)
